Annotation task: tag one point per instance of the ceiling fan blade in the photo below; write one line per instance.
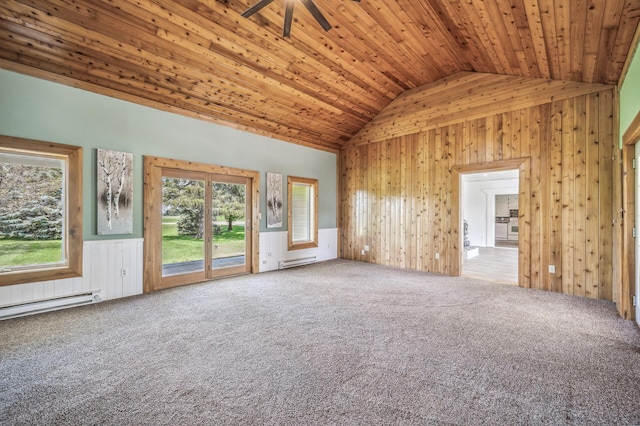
(288, 17)
(310, 5)
(256, 7)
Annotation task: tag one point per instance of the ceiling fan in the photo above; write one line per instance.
(288, 13)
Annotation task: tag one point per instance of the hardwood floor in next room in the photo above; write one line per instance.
(499, 264)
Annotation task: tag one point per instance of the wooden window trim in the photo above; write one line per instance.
(314, 232)
(73, 211)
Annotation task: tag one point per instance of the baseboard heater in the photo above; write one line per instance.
(284, 264)
(47, 305)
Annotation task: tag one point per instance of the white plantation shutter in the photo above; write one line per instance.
(301, 212)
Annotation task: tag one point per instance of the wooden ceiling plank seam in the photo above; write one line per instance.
(146, 93)
(379, 42)
(247, 51)
(578, 25)
(369, 50)
(494, 27)
(482, 60)
(386, 18)
(311, 44)
(469, 9)
(514, 49)
(611, 23)
(534, 21)
(445, 31)
(446, 62)
(112, 76)
(455, 32)
(160, 79)
(548, 19)
(591, 37)
(634, 36)
(196, 43)
(526, 39)
(563, 36)
(168, 47)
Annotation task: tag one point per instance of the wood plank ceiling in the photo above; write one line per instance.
(201, 58)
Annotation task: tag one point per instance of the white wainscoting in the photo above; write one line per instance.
(103, 262)
(273, 248)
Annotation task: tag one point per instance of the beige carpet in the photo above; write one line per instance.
(334, 343)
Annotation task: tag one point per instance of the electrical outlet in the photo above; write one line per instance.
(437, 256)
(362, 252)
(123, 272)
(552, 269)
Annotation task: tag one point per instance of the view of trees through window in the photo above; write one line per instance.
(183, 212)
(31, 210)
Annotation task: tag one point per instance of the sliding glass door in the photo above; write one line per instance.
(231, 225)
(205, 226)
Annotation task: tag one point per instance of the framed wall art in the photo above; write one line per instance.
(115, 192)
(274, 200)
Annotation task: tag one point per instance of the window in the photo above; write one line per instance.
(40, 211)
(302, 212)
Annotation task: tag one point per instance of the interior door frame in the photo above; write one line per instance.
(524, 190)
(152, 193)
(630, 274)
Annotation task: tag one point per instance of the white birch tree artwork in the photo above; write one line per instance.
(115, 192)
(274, 200)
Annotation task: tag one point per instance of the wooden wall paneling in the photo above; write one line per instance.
(364, 201)
(396, 208)
(580, 196)
(376, 244)
(555, 229)
(445, 197)
(498, 150)
(352, 207)
(342, 205)
(568, 199)
(516, 134)
(416, 200)
(592, 207)
(524, 225)
(566, 189)
(385, 201)
(343, 228)
(433, 225)
(456, 134)
(482, 139)
(609, 175)
(537, 225)
(405, 217)
(472, 139)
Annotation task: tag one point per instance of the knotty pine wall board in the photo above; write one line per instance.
(398, 196)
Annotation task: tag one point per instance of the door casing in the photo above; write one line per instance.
(153, 172)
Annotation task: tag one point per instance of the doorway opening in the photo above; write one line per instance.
(490, 212)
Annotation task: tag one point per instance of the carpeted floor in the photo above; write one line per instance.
(333, 343)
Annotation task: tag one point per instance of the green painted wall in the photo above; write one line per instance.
(38, 109)
(630, 95)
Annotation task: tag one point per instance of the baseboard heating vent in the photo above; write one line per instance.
(284, 264)
(50, 304)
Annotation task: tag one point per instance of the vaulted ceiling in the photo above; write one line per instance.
(202, 58)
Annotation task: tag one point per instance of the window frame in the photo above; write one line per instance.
(313, 232)
(72, 215)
